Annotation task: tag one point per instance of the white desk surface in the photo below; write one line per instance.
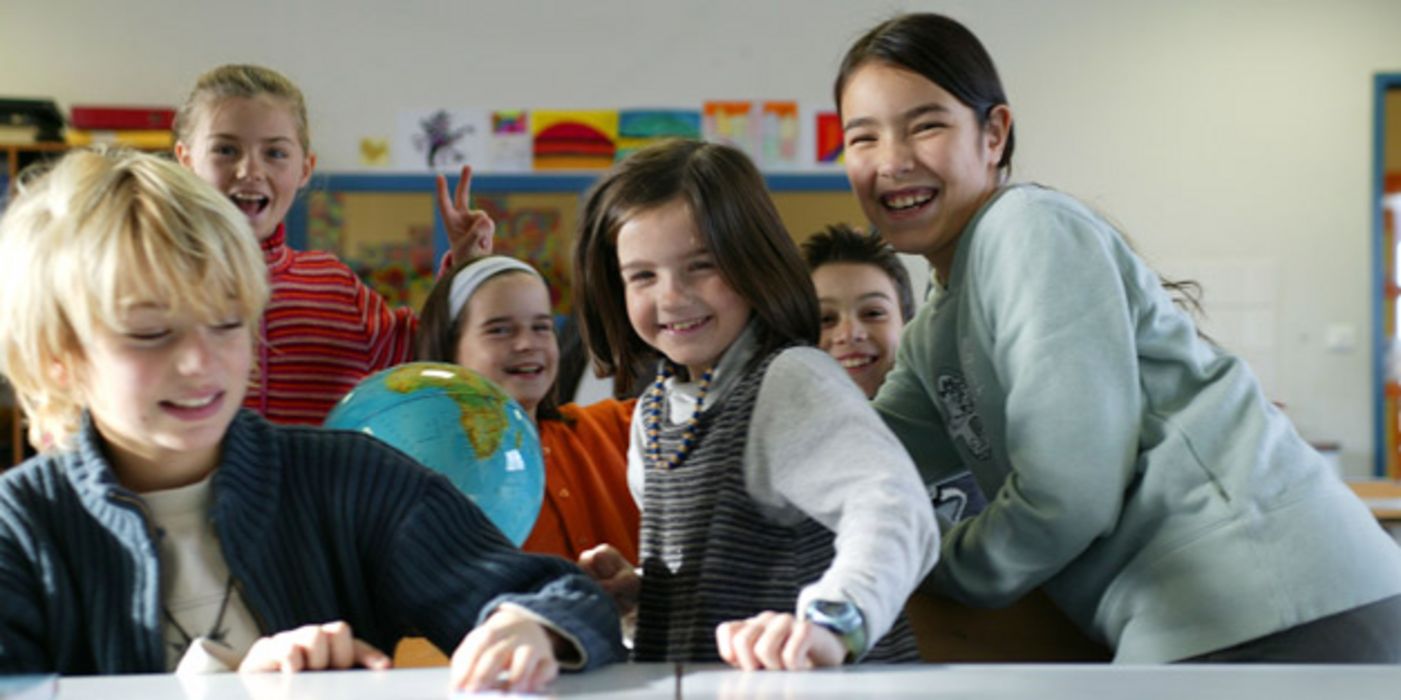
(625, 681)
(1053, 682)
(659, 681)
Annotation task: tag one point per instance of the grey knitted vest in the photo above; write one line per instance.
(709, 555)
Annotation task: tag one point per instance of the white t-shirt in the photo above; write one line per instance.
(197, 589)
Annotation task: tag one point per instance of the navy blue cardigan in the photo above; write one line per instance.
(315, 525)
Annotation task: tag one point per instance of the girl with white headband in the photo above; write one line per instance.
(492, 315)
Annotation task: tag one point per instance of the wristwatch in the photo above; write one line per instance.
(842, 619)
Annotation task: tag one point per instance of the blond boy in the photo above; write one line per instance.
(160, 517)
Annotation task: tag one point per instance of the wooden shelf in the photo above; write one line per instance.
(15, 153)
(1382, 497)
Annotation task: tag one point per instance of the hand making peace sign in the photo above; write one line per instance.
(470, 231)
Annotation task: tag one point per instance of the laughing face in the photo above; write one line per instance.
(861, 320)
(678, 301)
(509, 337)
(162, 390)
(918, 159)
(249, 148)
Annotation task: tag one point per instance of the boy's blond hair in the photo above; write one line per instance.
(238, 80)
(92, 234)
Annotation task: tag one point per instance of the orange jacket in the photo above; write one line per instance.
(587, 501)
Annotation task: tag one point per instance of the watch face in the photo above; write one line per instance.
(842, 618)
(837, 614)
(835, 609)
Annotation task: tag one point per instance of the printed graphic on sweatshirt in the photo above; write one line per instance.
(957, 498)
(960, 414)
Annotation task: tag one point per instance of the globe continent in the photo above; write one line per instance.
(459, 424)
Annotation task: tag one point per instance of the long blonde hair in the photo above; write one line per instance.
(97, 228)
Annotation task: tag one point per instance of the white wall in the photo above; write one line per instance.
(1229, 138)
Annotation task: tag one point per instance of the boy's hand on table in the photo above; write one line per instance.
(510, 651)
(313, 648)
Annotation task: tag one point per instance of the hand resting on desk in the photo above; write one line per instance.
(510, 651)
(312, 648)
(777, 641)
(769, 640)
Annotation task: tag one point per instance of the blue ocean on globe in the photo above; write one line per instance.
(457, 423)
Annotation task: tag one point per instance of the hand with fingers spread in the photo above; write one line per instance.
(614, 574)
(777, 641)
(510, 643)
(470, 231)
(313, 648)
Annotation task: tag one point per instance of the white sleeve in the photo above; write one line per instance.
(816, 445)
(637, 434)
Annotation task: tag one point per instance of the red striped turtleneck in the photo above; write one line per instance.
(323, 331)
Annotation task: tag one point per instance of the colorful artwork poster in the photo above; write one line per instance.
(779, 135)
(439, 140)
(732, 123)
(828, 134)
(639, 128)
(537, 228)
(385, 238)
(574, 139)
(508, 147)
(506, 122)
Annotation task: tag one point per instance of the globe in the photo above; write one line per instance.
(459, 424)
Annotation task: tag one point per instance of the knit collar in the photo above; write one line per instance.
(728, 372)
(275, 251)
(91, 473)
(249, 465)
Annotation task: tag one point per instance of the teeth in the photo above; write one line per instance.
(855, 362)
(905, 201)
(194, 403)
(525, 369)
(249, 197)
(684, 325)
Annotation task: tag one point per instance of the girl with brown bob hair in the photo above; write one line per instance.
(739, 225)
(773, 535)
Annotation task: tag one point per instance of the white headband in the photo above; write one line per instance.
(465, 284)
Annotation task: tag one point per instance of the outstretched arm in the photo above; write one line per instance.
(451, 571)
(843, 468)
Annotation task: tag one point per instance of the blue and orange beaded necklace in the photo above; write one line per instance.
(653, 408)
